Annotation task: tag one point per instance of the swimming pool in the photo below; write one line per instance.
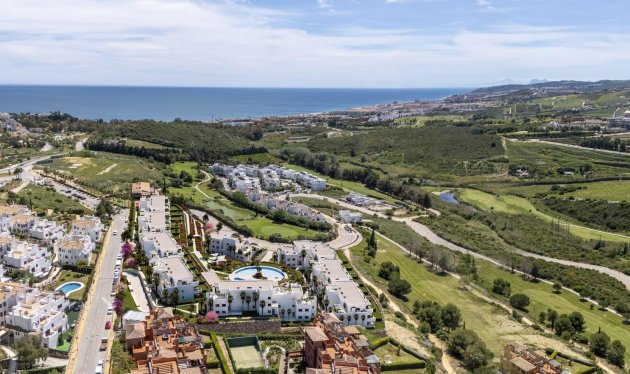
(248, 272)
(70, 287)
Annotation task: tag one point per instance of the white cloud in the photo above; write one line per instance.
(190, 42)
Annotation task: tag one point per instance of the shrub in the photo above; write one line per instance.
(519, 301)
(502, 287)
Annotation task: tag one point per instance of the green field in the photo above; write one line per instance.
(389, 353)
(106, 172)
(43, 199)
(609, 190)
(542, 297)
(419, 121)
(517, 205)
(491, 323)
(142, 143)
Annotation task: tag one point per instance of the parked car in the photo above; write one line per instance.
(110, 311)
(108, 325)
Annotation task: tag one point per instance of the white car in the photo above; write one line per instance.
(112, 294)
(115, 232)
(110, 311)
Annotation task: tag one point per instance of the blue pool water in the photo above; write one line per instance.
(70, 287)
(449, 197)
(247, 273)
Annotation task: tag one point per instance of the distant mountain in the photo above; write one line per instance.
(553, 87)
(535, 81)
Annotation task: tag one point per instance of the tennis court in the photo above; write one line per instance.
(245, 352)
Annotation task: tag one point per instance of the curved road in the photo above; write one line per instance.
(436, 239)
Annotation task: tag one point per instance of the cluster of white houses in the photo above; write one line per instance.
(26, 240)
(255, 182)
(329, 282)
(163, 250)
(271, 177)
(30, 311)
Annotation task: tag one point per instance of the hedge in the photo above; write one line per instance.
(257, 371)
(589, 370)
(403, 365)
(379, 342)
(225, 368)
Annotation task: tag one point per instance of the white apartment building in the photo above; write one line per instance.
(349, 216)
(12, 210)
(330, 279)
(358, 199)
(29, 310)
(46, 232)
(265, 297)
(19, 224)
(154, 214)
(74, 248)
(25, 256)
(174, 274)
(90, 226)
(232, 247)
(159, 244)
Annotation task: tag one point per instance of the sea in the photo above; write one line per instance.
(201, 104)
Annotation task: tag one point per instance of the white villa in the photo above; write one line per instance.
(174, 274)
(358, 199)
(331, 281)
(90, 226)
(159, 244)
(349, 216)
(232, 247)
(46, 232)
(27, 310)
(265, 297)
(74, 248)
(24, 256)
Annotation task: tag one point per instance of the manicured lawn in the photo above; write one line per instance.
(389, 353)
(263, 226)
(128, 302)
(517, 205)
(609, 190)
(66, 276)
(43, 199)
(492, 324)
(542, 298)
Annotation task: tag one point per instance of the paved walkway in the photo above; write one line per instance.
(137, 292)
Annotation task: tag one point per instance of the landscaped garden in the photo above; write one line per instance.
(67, 276)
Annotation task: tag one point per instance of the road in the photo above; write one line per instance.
(92, 326)
(436, 239)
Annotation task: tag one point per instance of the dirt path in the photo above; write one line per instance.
(108, 169)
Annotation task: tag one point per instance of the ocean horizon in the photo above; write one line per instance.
(200, 103)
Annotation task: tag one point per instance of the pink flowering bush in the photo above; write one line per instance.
(212, 316)
(118, 306)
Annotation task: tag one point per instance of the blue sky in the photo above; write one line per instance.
(312, 43)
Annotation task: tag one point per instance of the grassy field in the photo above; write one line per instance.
(43, 199)
(419, 121)
(543, 160)
(492, 323)
(608, 190)
(517, 205)
(107, 172)
(389, 353)
(142, 143)
(542, 297)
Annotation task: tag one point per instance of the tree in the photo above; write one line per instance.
(229, 300)
(542, 317)
(432, 315)
(263, 303)
(388, 270)
(30, 351)
(122, 361)
(398, 287)
(451, 316)
(557, 287)
(502, 287)
(552, 316)
(175, 297)
(519, 301)
(443, 261)
(577, 321)
(243, 294)
(219, 226)
(616, 353)
(467, 346)
(599, 343)
(563, 324)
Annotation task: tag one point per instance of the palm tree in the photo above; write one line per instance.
(356, 317)
(204, 302)
(230, 299)
(263, 303)
(274, 257)
(282, 257)
(243, 294)
(303, 254)
(348, 318)
(363, 319)
(175, 297)
(282, 312)
(155, 279)
(248, 299)
(256, 296)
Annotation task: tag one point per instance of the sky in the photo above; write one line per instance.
(312, 43)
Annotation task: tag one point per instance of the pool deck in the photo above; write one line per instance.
(81, 286)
